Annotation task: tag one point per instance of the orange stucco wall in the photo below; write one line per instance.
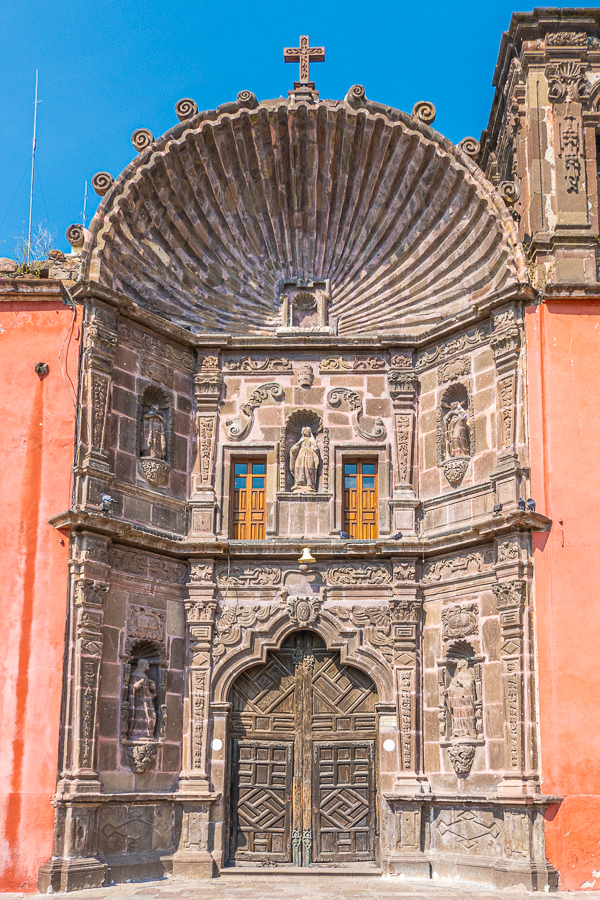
(36, 435)
(563, 364)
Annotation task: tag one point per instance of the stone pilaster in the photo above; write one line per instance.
(193, 857)
(208, 383)
(100, 342)
(406, 615)
(74, 864)
(403, 383)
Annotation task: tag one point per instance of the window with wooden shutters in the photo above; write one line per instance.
(248, 500)
(360, 498)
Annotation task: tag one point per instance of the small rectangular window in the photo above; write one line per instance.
(248, 500)
(360, 500)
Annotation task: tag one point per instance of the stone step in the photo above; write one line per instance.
(322, 871)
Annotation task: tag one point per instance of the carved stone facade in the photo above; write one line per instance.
(431, 614)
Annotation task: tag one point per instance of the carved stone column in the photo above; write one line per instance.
(403, 382)
(510, 599)
(193, 857)
(74, 864)
(406, 615)
(100, 342)
(208, 383)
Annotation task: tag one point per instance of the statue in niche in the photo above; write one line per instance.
(154, 434)
(461, 701)
(304, 463)
(456, 430)
(142, 704)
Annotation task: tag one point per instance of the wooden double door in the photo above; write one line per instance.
(303, 773)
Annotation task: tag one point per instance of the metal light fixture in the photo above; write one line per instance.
(306, 559)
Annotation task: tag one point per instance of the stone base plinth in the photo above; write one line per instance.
(58, 875)
(194, 864)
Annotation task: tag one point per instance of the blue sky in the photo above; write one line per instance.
(111, 66)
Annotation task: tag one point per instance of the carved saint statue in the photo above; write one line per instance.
(142, 711)
(304, 463)
(456, 430)
(461, 701)
(154, 439)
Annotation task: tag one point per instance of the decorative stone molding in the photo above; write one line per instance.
(359, 574)
(305, 376)
(248, 576)
(424, 111)
(270, 364)
(128, 561)
(510, 594)
(376, 621)
(239, 428)
(337, 396)
(141, 139)
(566, 81)
(100, 342)
(201, 572)
(452, 567)
(468, 341)
(232, 620)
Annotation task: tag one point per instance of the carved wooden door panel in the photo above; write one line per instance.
(303, 786)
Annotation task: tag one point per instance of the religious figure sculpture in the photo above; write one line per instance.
(304, 463)
(154, 439)
(142, 710)
(456, 430)
(461, 701)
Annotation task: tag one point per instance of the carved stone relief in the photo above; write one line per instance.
(456, 566)
(239, 428)
(248, 576)
(467, 341)
(270, 364)
(337, 396)
(459, 621)
(145, 622)
(359, 574)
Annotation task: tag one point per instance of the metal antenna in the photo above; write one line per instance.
(84, 205)
(35, 106)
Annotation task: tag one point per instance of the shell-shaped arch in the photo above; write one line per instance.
(206, 225)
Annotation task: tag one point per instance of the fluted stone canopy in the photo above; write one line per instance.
(208, 221)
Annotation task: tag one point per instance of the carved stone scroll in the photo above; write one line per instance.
(337, 396)
(239, 428)
(270, 364)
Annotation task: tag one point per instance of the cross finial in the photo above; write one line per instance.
(304, 54)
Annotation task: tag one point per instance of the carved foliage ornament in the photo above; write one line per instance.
(337, 396)
(566, 81)
(509, 594)
(237, 429)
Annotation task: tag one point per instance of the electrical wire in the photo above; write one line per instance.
(68, 335)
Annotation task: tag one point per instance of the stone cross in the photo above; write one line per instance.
(304, 54)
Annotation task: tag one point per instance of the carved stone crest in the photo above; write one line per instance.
(303, 610)
(144, 622)
(458, 621)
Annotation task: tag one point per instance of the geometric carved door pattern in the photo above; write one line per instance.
(303, 785)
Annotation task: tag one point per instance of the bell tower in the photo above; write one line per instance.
(540, 145)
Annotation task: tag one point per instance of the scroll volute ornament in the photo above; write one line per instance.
(337, 396)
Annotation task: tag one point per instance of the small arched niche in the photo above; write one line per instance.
(304, 457)
(154, 439)
(455, 433)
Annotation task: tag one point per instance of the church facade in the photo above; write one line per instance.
(308, 614)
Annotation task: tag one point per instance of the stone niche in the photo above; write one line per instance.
(304, 500)
(304, 307)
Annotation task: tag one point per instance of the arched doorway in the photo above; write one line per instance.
(303, 759)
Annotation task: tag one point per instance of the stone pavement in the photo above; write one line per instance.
(267, 887)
